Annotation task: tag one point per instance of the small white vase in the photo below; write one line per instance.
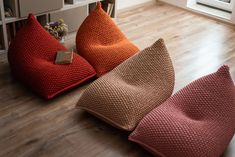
(62, 40)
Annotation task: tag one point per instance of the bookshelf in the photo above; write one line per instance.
(45, 11)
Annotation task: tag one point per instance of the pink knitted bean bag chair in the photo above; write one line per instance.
(198, 121)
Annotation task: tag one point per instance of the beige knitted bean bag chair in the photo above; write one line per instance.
(126, 94)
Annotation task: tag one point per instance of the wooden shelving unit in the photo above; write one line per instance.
(3, 33)
(72, 11)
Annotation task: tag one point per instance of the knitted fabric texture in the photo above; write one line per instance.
(102, 43)
(126, 94)
(31, 57)
(198, 121)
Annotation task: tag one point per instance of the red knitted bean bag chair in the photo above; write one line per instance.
(102, 43)
(31, 57)
(198, 121)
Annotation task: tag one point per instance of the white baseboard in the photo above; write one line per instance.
(179, 3)
(123, 4)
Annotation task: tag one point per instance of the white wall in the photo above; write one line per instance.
(122, 4)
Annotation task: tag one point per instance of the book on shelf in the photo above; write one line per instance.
(108, 6)
(11, 31)
(1, 40)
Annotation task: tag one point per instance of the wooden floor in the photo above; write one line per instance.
(33, 127)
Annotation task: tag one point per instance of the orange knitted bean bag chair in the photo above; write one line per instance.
(102, 43)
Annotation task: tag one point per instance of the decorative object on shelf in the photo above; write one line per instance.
(8, 12)
(198, 121)
(31, 58)
(102, 43)
(57, 29)
(126, 94)
(64, 57)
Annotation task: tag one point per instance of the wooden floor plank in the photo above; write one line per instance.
(33, 127)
